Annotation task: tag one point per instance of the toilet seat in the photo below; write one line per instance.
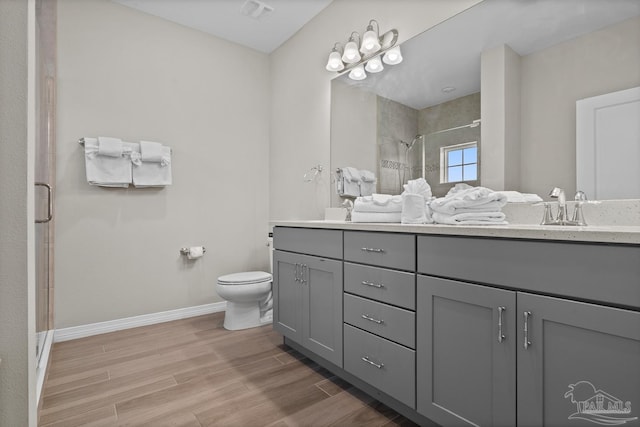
(245, 278)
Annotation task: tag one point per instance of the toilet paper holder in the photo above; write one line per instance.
(185, 251)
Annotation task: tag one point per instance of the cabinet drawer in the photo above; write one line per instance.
(381, 249)
(393, 323)
(311, 241)
(391, 367)
(390, 286)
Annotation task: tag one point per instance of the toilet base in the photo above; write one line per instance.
(244, 315)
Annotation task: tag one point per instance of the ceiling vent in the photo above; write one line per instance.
(256, 9)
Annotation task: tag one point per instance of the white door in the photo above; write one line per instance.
(608, 145)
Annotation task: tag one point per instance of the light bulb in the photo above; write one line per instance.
(335, 63)
(374, 65)
(351, 53)
(370, 42)
(358, 73)
(393, 56)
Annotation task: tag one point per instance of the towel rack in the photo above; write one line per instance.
(81, 142)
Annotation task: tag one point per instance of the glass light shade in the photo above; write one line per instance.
(358, 73)
(351, 53)
(370, 42)
(393, 56)
(335, 63)
(374, 65)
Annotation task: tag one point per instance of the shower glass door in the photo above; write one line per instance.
(44, 172)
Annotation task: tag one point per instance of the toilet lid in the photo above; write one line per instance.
(244, 278)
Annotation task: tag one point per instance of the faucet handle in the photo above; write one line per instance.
(580, 196)
(547, 217)
(578, 215)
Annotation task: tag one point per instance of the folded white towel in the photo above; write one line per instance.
(469, 199)
(153, 174)
(378, 203)
(111, 147)
(518, 197)
(418, 186)
(151, 151)
(105, 171)
(414, 209)
(375, 217)
(476, 218)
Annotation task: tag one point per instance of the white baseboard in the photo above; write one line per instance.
(75, 332)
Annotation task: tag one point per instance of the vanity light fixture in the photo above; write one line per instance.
(375, 50)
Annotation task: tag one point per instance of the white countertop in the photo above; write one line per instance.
(603, 234)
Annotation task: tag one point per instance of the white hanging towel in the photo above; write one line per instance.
(348, 182)
(106, 170)
(368, 184)
(152, 173)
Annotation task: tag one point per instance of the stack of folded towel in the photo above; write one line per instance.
(377, 208)
(466, 205)
(518, 197)
(110, 162)
(415, 199)
(351, 182)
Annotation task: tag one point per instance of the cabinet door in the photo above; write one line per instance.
(322, 307)
(287, 295)
(581, 365)
(466, 374)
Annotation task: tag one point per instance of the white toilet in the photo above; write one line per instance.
(249, 298)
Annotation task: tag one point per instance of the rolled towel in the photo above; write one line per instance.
(378, 203)
(368, 184)
(375, 217)
(367, 176)
(110, 147)
(151, 151)
(477, 218)
(414, 209)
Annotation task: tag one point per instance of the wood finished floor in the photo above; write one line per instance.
(193, 372)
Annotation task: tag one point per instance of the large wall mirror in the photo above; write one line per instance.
(427, 116)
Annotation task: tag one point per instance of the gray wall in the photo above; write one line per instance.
(552, 81)
(126, 74)
(17, 282)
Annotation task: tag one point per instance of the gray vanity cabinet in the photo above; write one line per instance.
(308, 302)
(576, 353)
(466, 353)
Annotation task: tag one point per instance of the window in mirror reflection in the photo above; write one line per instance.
(459, 162)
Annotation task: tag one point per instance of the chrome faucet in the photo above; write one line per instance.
(563, 217)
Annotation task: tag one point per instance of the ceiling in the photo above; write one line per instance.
(448, 55)
(231, 19)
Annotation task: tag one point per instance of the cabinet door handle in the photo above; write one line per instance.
(500, 336)
(373, 285)
(296, 274)
(527, 343)
(304, 273)
(371, 319)
(377, 250)
(377, 365)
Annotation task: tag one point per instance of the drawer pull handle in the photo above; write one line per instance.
(377, 250)
(500, 336)
(373, 285)
(527, 343)
(371, 319)
(377, 365)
